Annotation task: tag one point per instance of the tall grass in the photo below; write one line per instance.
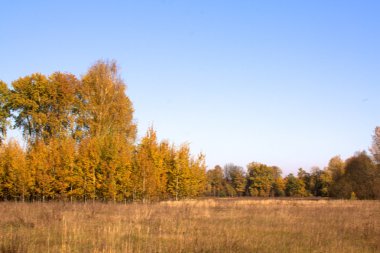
(210, 225)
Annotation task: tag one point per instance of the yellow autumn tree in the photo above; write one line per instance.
(80, 138)
(39, 164)
(187, 178)
(179, 174)
(198, 178)
(62, 106)
(61, 161)
(107, 132)
(45, 106)
(29, 98)
(115, 168)
(87, 168)
(16, 180)
(148, 168)
(105, 109)
(167, 154)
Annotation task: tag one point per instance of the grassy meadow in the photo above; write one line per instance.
(205, 225)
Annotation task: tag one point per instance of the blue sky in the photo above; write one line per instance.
(286, 83)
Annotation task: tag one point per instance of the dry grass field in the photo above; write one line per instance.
(208, 225)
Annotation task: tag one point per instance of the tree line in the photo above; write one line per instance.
(80, 140)
(357, 177)
(81, 143)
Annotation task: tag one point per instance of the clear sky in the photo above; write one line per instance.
(286, 83)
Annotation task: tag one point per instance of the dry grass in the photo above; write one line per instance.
(210, 225)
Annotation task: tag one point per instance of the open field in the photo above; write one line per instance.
(209, 225)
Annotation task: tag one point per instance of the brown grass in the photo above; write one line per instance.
(210, 225)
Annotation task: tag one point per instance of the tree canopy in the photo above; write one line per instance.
(81, 145)
(80, 136)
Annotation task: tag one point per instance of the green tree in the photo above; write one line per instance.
(260, 179)
(320, 182)
(278, 184)
(216, 182)
(279, 187)
(294, 187)
(360, 177)
(235, 177)
(306, 178)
